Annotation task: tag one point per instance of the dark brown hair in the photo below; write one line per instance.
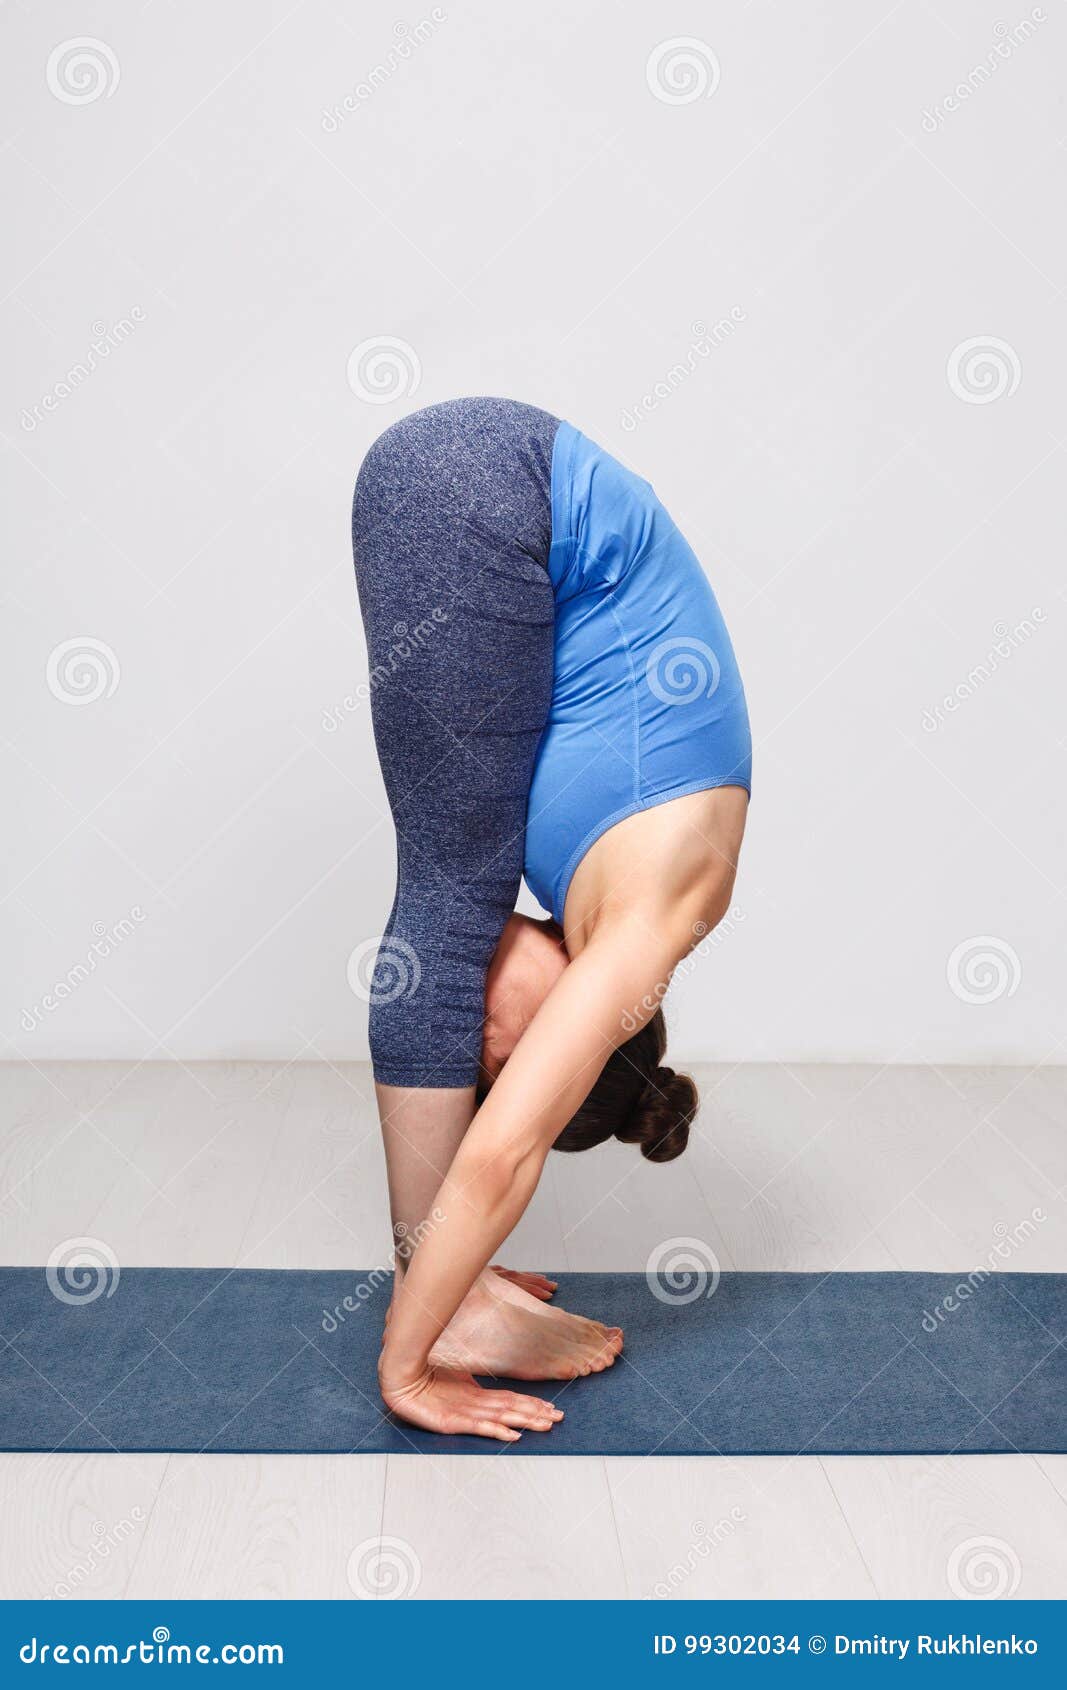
(636, 1100)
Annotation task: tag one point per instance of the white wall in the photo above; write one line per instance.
(516, 204)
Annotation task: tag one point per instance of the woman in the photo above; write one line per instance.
(570, 707)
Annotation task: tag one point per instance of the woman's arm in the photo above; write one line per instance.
(496, 1169)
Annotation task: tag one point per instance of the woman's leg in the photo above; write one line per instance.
(421, 1130)
(452, 509)
(451, 530)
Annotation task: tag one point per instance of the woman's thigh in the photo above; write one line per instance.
(458, 613)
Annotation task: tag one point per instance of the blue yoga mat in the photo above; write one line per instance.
(767, 1363)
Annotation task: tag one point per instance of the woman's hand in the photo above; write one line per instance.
(443, 1401)
(536, 1284)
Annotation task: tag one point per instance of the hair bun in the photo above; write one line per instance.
(660, 1119)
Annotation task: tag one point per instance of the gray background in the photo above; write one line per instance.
(515, 202)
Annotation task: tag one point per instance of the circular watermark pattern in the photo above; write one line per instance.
(82, 70)
(380, 970)
(82, 670)
(984, 1569)
(383, 369)
(682, 1270)
(983, 369)
(82, 1269)
(681, 70)
(983, 969)
(682, 670)
(384, 1568)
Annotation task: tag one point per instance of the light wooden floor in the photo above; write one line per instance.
(806, 1168)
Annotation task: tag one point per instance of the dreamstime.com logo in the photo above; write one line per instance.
(158, 1650)
(681, 70)
(383, 369)
(704, 1541)
(106, 338)
(683, 1270)
(983, 969)
(1007, 641)
(701, 347)
(682, 670)
(82, 70)
(105, 1541)
(381, 970)
(707, 941)
(983, 1568)
(1007, 39)
(82, 1269)
(1008, 1241)
(406, 1241)
(983, 369)
(406, 642)
(82, 670)
(384, 1569)
(408, 39)
(106, 940)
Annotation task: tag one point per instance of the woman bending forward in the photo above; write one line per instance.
(554, 693)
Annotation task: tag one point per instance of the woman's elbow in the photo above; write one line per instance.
(497, 1176)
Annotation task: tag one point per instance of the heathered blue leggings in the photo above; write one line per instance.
(451, 529)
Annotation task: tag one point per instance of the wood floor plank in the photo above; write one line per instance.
(259, 1526)
(322, 1201)
(537, 1243)
(981, 1206)
(74, 1524)
(1054, 1468)
(192, 1164)
(57, 1165)
(937, 1527)
(617, 1209)
(1031, 1118)
(938, 1157)
(485, 1527)
(754, 1526)
(780, 1198)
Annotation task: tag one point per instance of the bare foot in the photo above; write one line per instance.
(442, 1400)
(508, 1288)
(501, 1331)
(535, 1283)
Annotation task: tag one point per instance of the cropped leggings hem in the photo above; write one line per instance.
(437, 1079)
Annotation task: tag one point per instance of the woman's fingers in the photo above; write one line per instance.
(534, 1284)
(495, 1429)
(539, 1284)
(517, 1410)
(536, 1420)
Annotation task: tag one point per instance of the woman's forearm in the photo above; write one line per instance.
(496, 1169)
(476, 1208)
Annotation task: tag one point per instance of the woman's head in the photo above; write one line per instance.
(528, 961)
(635, 1099)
